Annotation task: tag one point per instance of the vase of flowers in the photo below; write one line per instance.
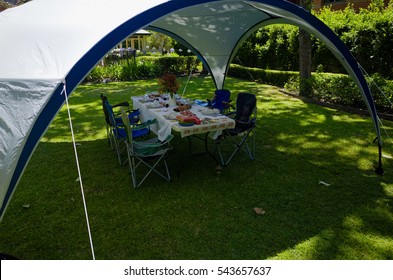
(168, 84)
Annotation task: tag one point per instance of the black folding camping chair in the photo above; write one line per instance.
(238, 138)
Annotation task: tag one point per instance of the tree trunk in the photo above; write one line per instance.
(305, 62)
(305, 55)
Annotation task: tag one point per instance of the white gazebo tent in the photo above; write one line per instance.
(66, 38)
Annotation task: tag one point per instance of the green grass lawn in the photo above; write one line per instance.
(201, 214)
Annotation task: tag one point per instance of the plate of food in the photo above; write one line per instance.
(145, 99)
(170, 116)
(210, 112)
(186, 123)
(154, 104)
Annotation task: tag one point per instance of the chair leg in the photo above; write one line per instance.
(132, 167)
(110, 138)
(107, 135)
(167, 170)
(249, 151)
(242, 145)
(117, 149)
(152, 167)
(220, 154)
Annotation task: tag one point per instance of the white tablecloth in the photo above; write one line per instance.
(163, 127)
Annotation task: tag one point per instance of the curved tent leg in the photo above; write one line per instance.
(379, 170)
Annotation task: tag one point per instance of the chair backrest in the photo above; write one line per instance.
(104, 100)
(133, 116)
(140, 147)
(109, 113)
(245, 106)
(221, 99)
(127, 125)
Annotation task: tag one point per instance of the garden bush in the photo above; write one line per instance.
(142, 67)
(368, 34)
(341, 89)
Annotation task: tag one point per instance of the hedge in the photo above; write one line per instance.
(328, 87)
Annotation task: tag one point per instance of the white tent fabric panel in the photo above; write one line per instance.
(40, 42)
(20, 103)
(216, 28)
(48, 37)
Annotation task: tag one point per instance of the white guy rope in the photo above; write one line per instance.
(380, 90)
(188, 80)
(79, 171)
(384, 95)
(238, 59)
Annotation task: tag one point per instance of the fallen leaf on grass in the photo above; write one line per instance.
(259, 211)
(324, 183)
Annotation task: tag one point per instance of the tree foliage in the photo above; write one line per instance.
(159, 41)
(8, 4)
(4, 5)
(368, 34)
(272, 47)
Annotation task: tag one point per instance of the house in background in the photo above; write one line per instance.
(136, 42)
(342, 4)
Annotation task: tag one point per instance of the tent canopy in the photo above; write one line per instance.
(47, 45)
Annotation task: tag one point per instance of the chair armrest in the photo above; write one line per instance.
(122, 104)
(231, 115)
(153, 143)
(247, 122)
(144, 125)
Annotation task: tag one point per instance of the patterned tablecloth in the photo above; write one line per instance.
(166, 121)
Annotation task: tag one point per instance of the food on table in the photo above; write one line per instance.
(188, 119)
(210, 111)
(182, 108)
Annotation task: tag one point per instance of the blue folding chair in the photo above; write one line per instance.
(133, 115)
(115, 127)
(221, 100)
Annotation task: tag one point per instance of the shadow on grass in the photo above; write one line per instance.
(202, 215)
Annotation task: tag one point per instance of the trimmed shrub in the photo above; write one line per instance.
(341, 89)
